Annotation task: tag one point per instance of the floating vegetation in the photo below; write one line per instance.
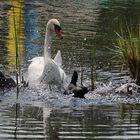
(128, 50)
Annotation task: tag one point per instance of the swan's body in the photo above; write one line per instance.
(45, 69)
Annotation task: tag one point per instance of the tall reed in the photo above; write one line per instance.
(128, 50)
(17, 42)
(93, 67)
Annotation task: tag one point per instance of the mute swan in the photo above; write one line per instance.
(45, 69)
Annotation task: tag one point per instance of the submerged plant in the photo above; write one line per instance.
(128, 48)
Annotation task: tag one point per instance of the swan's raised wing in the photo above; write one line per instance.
(58, 58)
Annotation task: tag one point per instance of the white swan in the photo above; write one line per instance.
(45, 69)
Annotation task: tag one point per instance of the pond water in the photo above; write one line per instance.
(89, 28)
(96, 122)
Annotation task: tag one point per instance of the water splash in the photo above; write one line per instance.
(41, 96)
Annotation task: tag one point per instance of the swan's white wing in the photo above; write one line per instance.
(58, 58)
(35, 70)
(58, 61)
(35, 59)
(63, 77)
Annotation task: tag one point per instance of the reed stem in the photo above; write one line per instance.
(93, 65)
(17, 40)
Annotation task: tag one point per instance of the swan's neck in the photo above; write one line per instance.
(47, 45)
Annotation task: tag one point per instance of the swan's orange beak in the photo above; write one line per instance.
(59, 33)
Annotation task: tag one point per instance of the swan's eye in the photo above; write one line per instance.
(57, 27)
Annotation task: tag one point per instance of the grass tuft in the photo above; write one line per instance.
(128, 50)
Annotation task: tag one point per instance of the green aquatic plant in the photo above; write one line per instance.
(128, 50)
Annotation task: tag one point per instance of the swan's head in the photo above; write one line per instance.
(54, 26)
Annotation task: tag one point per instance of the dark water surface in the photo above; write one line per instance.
(96, 122)
(88, 25)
